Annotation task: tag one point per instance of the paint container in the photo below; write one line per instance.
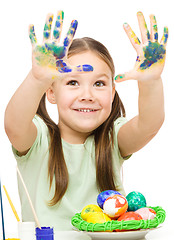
(26, 230)
(45, 233)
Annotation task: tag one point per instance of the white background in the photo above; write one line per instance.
(149, 171)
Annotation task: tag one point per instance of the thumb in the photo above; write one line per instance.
(124, 77)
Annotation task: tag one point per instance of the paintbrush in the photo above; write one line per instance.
(11, 204)
(29, 199)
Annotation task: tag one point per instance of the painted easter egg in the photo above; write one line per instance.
(146, 213)
(104, 195)
(127, 217)
(130, 216)
(115, 206)
(88, 209)
(97, 217)
(135, 201)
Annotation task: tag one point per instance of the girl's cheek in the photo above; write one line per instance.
(107, 98)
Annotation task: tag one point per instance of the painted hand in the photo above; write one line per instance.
(150, 53)
(50, 58)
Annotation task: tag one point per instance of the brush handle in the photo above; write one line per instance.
(29, 199)
(11, 204)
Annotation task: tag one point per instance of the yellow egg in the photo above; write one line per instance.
(88, 209)
(98, 217)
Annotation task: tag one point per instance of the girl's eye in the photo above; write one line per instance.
(99, 84)
(72, 83)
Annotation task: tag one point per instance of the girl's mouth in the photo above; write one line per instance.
(85, 110)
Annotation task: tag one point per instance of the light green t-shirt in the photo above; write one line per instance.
(82, 188)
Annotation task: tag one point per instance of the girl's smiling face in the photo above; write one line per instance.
(84, 100)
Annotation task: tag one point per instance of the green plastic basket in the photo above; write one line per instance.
(82, 225)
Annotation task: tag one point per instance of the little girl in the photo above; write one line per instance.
(66, 165)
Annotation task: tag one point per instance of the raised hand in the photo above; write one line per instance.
(49, 59)
(150, 53)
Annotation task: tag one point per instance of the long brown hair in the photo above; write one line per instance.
(103, 135)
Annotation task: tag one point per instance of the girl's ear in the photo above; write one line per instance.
(50, 95)
(113, 92)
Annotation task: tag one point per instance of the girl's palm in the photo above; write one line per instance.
(150, 53)
(49, 59)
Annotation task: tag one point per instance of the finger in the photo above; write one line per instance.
(124, 77)
(32, 35)
(164, 37)
(153, 29)
(47, 27)
(58, 26)
(143, 28)
(132, 36)
(69, 37)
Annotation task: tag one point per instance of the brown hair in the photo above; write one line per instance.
(103, 135)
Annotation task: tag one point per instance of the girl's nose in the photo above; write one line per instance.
(86, 95)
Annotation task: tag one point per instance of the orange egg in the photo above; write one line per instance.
(115, 206)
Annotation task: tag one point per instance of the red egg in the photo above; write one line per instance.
(127, 217)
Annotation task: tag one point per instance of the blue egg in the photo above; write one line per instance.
(104, 195)
(135, 201)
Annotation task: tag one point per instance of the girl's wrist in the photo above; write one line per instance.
(149, 83)
(151, 89)
(39, 82)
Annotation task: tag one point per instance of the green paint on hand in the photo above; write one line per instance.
(153, 53)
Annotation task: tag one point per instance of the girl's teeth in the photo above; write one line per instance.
(85, 110)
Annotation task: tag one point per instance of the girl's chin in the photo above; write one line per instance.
(87, 128)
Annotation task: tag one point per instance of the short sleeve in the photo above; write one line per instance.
(117, 125)
(42, 131)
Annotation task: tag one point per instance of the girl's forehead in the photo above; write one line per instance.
(91, 58)
(79, 75)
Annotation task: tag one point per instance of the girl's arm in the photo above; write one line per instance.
(49, 63)
(137, 132)
(20, 111)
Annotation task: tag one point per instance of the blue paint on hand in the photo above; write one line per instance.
(65, 69)
(153, 53)
(66, 42)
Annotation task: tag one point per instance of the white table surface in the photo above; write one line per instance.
(163, 233)
(166, 232)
